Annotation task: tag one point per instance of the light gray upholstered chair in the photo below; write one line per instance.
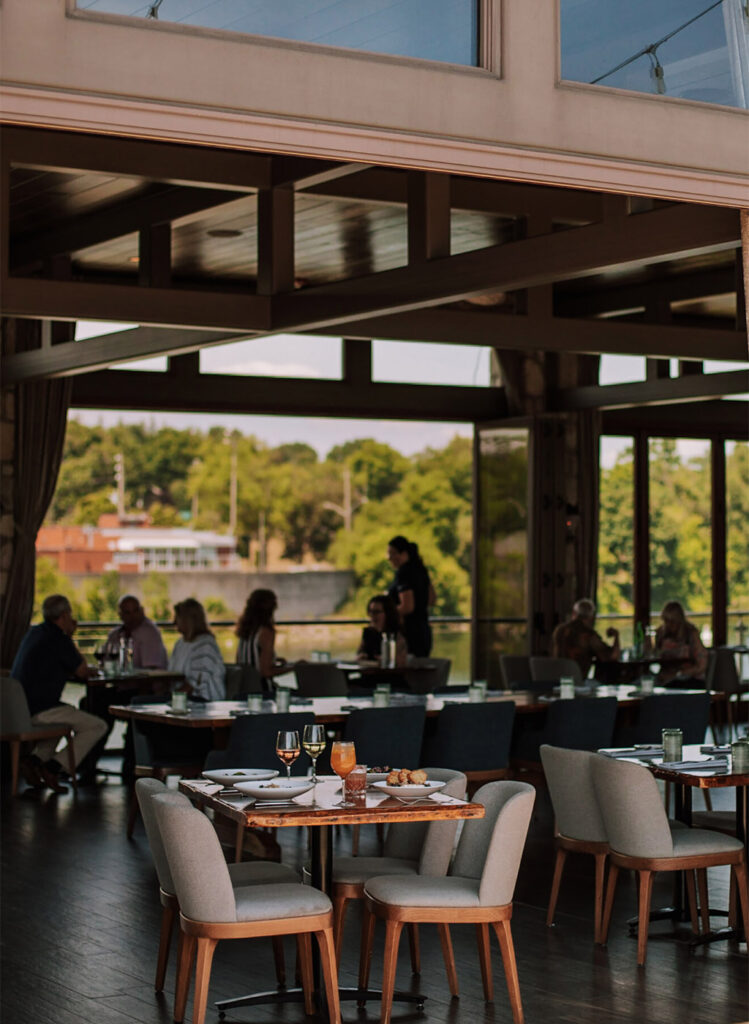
(579, 824)
(550, 670)
(411, 848)
(16, 728)
(478, 890)
(211, 908)
(641, 840)
(253, 873)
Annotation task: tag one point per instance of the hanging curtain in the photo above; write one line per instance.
(41, 410)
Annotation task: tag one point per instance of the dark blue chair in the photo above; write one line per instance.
(689, 712)
(472, 738)
(387, 736)
(252, 742)
(585, 723)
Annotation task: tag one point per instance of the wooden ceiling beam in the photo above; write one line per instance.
(688, 388)
(626, 242)
(284, 397)
(79, 357)
(174, 163)
(157, 206)
(634, 295)
(307, 173)
(715, 418)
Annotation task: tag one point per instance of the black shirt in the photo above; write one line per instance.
(413, 576)
(46, 659)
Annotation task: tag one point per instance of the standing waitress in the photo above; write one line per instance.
(412, 593)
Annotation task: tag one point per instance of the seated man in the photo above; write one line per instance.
(46, 659)
(577, 639)
(148, 647)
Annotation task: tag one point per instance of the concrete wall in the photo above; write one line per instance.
(301, 595)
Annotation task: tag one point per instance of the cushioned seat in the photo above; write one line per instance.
(424, 892)
(694, 842)
(278, 900)
(357, 870)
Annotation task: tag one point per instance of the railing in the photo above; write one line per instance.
(703, 620)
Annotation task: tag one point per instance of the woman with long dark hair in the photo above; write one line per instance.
(383, 621)
(412, 593)
(256, 630)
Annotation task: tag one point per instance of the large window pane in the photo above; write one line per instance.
(690, 49)
(420, 362)
(501, 587)
(737, 538)
(680, 526)
(615, 539)
(285, 355)
(443, 30)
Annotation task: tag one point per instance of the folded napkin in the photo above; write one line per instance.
(709, 763)
(630, 752)
(721, 748)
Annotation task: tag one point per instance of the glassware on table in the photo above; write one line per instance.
(282, 700)
(381, 696)
(740, 756)
(672, 744)
(343, 761)
(566, 688)
(288, 748)
(356, 783)
(254, 703)
(179, 701)
(314, 740)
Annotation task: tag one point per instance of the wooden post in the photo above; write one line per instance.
(641, 546)
(718, 541)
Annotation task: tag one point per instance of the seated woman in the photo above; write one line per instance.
(678, 644)
(196, 654)
(256, 630)
(384, 621)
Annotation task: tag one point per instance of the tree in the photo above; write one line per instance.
(377, 469)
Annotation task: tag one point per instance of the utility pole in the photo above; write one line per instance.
(194, 467)
(349, 506)
(233, 490)
(119, 476)
(262, 553)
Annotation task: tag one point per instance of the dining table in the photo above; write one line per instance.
(320, 810)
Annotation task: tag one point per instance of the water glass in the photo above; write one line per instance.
(381, 697)
(475, 696)
(356, 782)
(672, 744)
(566, 688)
(646, 684)
(255, 703)
(740, 757)
(179, 701)
(282, 700)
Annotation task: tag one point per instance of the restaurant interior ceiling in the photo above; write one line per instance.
(201, 246)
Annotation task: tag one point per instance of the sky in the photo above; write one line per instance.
(320, 357)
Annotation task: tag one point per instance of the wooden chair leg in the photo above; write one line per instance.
(365, 951)
(609, 905)
(165, 937)
(740, 872)
(414, 948)
(132, 815)
(555, 883)
(15, 760)
(449, 957)
(330, 974)
(704, 901)
(692, 898)
(485, 960)
(643, 915)
(185, 952)
(392, 938)
(504, 934)
(733, 902)
(304, 953)
(203, 961)
(708, 799)
(339, 914)
(279, 960)
(598, 908)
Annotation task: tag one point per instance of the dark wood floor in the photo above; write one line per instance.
(80, 916)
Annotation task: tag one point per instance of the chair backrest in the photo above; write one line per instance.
(490, 848)
(145, 791)
(551, 670)
(241, 680)
(585, 723)
(429, 842)
(320, 680)
(252, 741)
(722, 674)
(689, 712)
(631, 808)
(14, 708)
(433, 675)
(471, 737)
(196, 860)
(515, 670)
(387, 736)
(569, 777)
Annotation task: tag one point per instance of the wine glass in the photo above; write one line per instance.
(342, 761)
(287, 748)
(314, 741)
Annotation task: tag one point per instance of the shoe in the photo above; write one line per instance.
(88, 778)
(51, 777)
(31, 769)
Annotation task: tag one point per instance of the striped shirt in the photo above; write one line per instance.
(200, 661)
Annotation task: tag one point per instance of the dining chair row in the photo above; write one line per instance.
(612, 809)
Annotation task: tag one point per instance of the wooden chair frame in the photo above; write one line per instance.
(396, 916)
(646, 867)
(345, 891)
(43, 732)
(600, 852)
(198, 941)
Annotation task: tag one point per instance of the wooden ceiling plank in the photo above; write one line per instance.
(303, 173)
(700, 387)
(175, 163)
(663, 234)
(690, 419)
(670, 288)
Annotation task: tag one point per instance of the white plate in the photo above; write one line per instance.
(409, 791)
(231, 776)
(278, 789)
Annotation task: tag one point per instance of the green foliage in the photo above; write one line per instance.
(377, 469)
(217, 608)
(49, 580)
(156, 597)
(100, 597)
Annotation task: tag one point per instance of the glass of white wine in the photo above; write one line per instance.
(288, 748)
(314, 741)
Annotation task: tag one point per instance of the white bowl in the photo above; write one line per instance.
(231, 776)
(409, 791)
(277, 789)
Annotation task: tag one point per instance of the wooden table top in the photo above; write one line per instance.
(136, 678)
(701, 780)
(318, 807)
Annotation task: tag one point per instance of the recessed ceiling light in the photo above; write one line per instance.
(224, 233)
